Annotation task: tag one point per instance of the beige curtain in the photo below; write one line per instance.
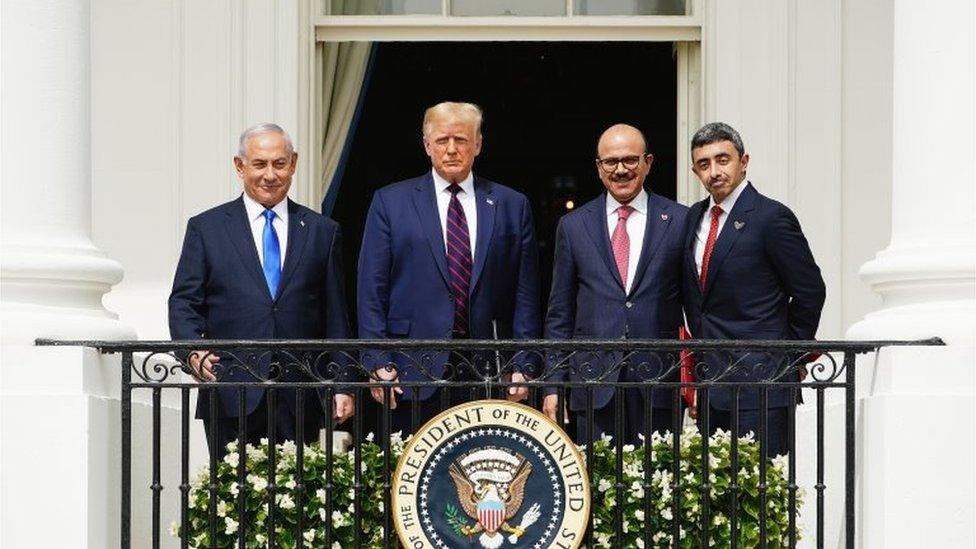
(340, 69)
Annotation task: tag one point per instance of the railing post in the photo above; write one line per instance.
(125, 523)
(849, 486)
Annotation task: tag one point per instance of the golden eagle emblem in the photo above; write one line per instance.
(490, 483)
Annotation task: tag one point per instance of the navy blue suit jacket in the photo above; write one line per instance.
(588, 299)
(219, 291)
(762, 283)
(403, 284)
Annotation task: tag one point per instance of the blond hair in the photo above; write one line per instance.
(448, 111)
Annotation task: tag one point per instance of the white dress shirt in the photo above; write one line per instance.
(467, 199)
(701, 237)
(255, 216)
(636, 224)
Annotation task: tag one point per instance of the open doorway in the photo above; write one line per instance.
(545, 105)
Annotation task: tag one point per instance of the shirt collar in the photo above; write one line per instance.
(441, 184)
(639, 203)
(256, 210)
(729, 201)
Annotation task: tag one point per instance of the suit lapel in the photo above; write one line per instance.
(485, 206)
(297, 236)
(695, 214)
(734, 225)
(425, 203)
(656, 226)
(596, 228)
(239, 230)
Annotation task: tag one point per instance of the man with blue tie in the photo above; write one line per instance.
(446, 255)
(748, 274)
(617, 275)
(260, 267)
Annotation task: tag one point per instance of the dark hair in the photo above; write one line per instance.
(715, 132)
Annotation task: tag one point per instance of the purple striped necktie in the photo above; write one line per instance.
(458, 260)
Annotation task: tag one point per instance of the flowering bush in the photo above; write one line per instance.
(747, 500)
(286, 512)
(602, 508)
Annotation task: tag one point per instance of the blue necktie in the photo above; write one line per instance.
(272, 254)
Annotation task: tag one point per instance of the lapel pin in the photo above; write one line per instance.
(301, 222)
(739, 224)
(664, 217)
(490, 201)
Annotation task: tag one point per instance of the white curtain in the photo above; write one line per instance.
(341, 69)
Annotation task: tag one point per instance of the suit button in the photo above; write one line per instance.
(629, 304)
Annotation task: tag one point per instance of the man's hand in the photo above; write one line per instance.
(693, 412)
(343, 407)
(549, 408)
(516, 393)
(385, 374)
(202, 365)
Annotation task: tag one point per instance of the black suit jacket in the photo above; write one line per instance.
(762, 283)
(219, 291)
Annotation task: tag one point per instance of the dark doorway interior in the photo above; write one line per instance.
(545, 105)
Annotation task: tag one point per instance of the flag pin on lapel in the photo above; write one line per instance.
(739, 224)
(664, 217)
(490, 201)
(301, 222)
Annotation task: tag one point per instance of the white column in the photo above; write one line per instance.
(59, 408)
(53, 276)
(916, 431)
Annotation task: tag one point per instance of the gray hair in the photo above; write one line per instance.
(715, 132)
(266, 127)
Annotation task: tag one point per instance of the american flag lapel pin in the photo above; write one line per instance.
(664, 217)
(490, 201)
(301, 222)
(739, 224)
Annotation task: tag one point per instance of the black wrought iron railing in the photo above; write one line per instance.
(669, 489)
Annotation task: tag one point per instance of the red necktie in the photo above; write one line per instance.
(458, 259)
(710, 243)
(621, 243)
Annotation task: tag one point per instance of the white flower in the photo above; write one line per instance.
(221, 508)
(286, 502)
(260, 538)
(290, 484)
(322, 513)
(289, 448)
(174, 528)
(639, 515)
(320, 493)
(666, 513)
(232, 459)
(640, 543)
(309, 536)
(628, 448)
(231, 525)
(338, 519)
(369, 437)
(604, 485)
(336, 545)
(259, 483)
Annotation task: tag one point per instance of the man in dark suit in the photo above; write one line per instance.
(617, 275)
(260, 267)
(447, 254)
(748, 274)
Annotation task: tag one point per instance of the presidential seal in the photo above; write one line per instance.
(488, 474)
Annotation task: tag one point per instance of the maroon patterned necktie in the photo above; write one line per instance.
(458, 260)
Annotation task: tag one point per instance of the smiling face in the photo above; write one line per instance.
(719, 167)
(267, 168)
(452, 146)
(623, 162)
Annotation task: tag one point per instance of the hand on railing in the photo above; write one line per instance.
(343, 407)
(549, 404)
(516, 393)
(202, 365)
(378, 393)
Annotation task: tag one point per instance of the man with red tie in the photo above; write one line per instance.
(616, 275)
(446, 255)
(748, 274)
